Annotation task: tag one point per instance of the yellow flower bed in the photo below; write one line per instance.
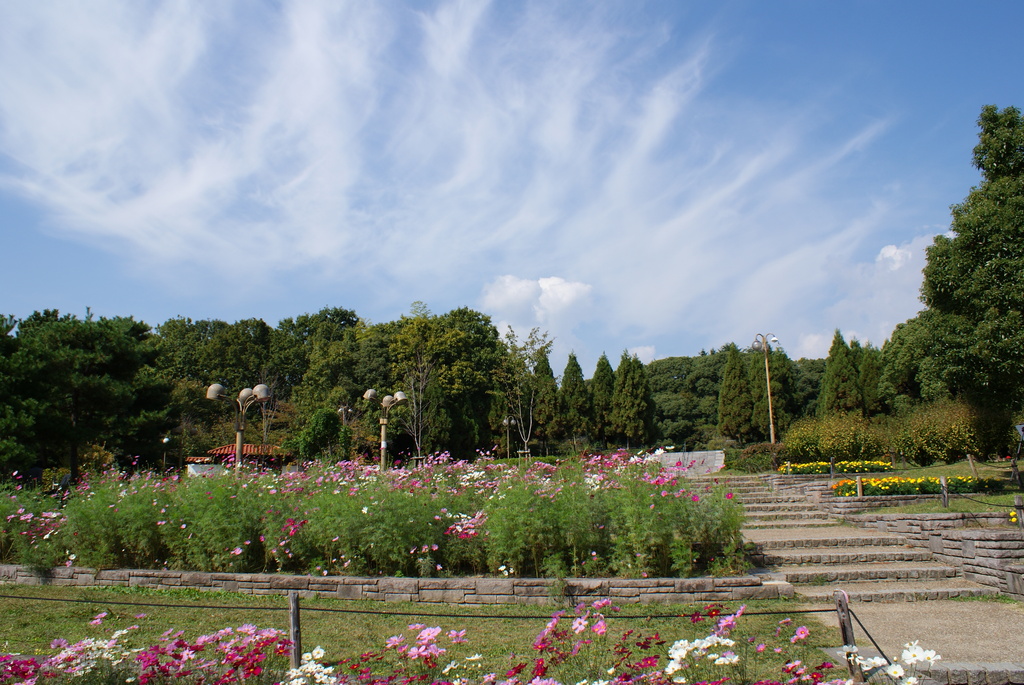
(821, 467)
(900, 485)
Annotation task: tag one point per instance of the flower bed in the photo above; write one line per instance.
(614, 515)
(580, 646)
(898, 485)
(822, 467)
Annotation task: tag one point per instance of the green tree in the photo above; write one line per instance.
(517, 380)
(632, 415)
(16, 410)
(575, 401)
(548, 413)
(321, 436)
(807, 375)
(869, 373)
(735, 401)
(92, 382)
(973, 286)
(602, 388)
(783, 401)
(840, 389)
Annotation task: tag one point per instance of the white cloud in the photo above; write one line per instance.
(645, 353)
(392, 154)
(552, 304)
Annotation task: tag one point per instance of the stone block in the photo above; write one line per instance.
(289, 583)
(445, 596)
(114, 575)
(493, 586)
(705, 584)
(197, 579)
(350, 592)
(1000, 673)
(739, 581)
(587, 585)
(491, 599)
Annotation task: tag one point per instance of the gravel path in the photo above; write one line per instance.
(960, 631)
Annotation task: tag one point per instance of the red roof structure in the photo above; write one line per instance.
(253, 452)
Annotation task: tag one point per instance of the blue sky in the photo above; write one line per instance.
(662, 177)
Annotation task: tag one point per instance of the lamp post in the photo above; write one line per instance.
(386, 403)
(246, 398)
(761, 342)
(508, 422)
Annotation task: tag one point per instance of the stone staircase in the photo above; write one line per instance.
(796, 541)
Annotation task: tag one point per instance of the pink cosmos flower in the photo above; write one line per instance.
(98, 619)
(800, 634)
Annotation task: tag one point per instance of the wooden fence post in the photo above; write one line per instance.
(945, 492)
(860, 487)
(294, 628)
(1018, 503)
(974, 467)
(846, 633)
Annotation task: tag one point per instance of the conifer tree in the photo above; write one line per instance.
(632, 406)
(547, 413)
(735, 402)
(575, 400)
(602, 387)
(783, 400)
(840, 387)
(869, 372)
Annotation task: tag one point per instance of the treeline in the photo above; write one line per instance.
(94, 390)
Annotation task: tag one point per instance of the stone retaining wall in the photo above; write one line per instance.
(984, 556)
(842, 506)
(983, 553)
(919, 528)
(468, 591)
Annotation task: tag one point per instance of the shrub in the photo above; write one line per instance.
(764, 456)
(842, 437)
(944, 431)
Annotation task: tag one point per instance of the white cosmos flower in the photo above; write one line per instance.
(912, 653)
(894, 671)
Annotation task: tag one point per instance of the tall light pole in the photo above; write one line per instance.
(761, 342)
(386, 403)
(246, 398)
(508, 422)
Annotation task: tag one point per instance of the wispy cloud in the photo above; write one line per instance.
(561, 165)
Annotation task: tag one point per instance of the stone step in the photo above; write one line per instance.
(845, 555)
(845, 573)
(791, 523)
(897, 591)
(810, 515)
(838, 538)
(792, 507)
(770, 499)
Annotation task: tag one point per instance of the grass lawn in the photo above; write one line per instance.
(496, 632)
